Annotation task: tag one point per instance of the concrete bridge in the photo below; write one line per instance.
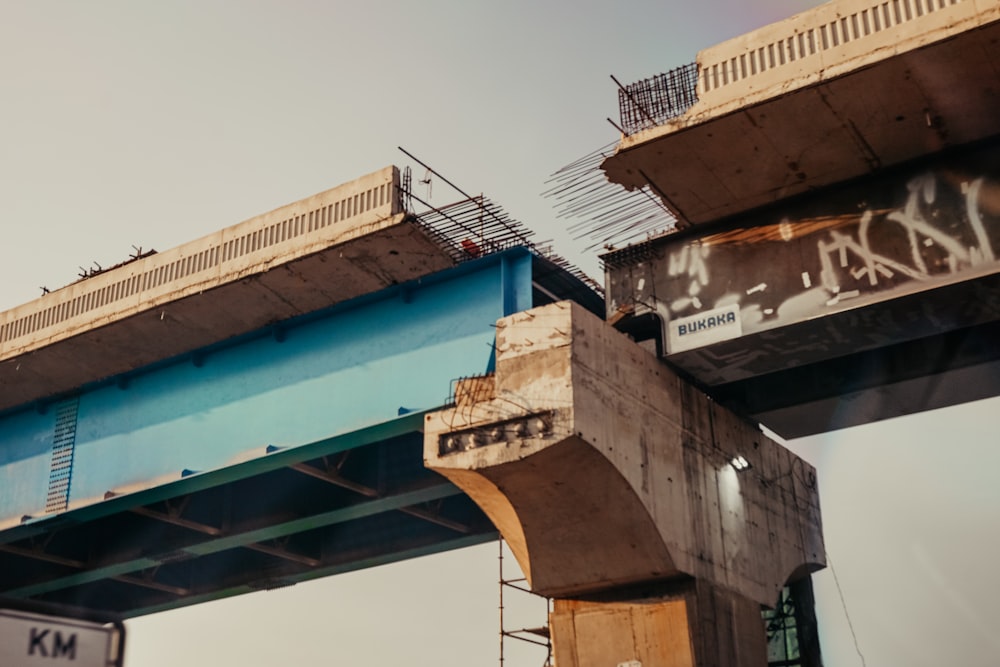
(340, 383)
(835, 178)
(245, 411)
(256, 408)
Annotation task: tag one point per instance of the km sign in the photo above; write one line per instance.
(29, 639)
(59, 645)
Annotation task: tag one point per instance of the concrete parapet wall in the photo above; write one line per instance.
(250, 247)
(841, 91)
(257, 275)
(602, 468)
(817, 45)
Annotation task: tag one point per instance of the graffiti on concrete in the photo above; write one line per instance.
(868, 242)
(689, 263)
(932, 249)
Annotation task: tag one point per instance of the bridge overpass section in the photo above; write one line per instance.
(256, 408)
(836, 185)
(245, 411)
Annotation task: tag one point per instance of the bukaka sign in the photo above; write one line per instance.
(704, 328)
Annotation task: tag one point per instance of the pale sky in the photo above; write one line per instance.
(150, 124)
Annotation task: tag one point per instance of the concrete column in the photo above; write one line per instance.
(686, 624)
(612, 480)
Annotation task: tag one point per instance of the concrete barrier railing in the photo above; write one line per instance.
(285, 233)
(830, 38)
(820, 43)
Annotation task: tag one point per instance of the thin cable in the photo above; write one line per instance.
(844, 605)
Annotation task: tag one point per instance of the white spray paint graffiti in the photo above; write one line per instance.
(976, 221)
(857, 245)
(920, 233)
(940, 226)
(689, 260)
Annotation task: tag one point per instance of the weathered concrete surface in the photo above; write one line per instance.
(864, 302)
(694, 624)
(320, 251)
(602, 468)
(840, 91)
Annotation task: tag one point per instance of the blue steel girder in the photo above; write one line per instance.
(263, 461)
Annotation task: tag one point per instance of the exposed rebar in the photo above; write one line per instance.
(605, 212)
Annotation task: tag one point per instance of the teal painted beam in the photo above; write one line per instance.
(329, 373)
(282, 458)
(216, 545)
(357, 375)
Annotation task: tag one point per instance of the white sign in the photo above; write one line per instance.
(705, 328)
(28, 640)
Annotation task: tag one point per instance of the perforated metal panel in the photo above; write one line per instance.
(63, 444)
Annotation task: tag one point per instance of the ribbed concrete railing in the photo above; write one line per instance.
(238, 250)
(820, 43)
(830, 39)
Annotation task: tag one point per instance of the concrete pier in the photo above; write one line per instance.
(617, 483)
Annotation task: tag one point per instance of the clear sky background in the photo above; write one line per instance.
(150, 124)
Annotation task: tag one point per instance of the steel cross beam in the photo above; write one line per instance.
(249, 539)
(333, 477)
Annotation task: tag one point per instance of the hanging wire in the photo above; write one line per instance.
(857, 647)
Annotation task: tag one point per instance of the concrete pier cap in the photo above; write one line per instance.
(603, 469)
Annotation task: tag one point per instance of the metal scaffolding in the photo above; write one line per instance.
(538, 636)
